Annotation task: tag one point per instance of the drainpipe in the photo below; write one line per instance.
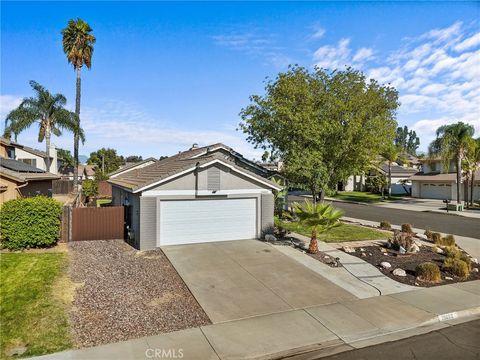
(21, 186)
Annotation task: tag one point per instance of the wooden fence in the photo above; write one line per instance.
(91, 223)
(62, 186)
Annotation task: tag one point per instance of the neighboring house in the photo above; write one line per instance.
(400, 178)
(85, 172)
(18, 179)
(204, 194)
(435, 183)
(131, 166)
(28, 155)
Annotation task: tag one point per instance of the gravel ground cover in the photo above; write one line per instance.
(124, 294)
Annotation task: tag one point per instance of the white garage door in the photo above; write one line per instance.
(436, 191)
(196, 221)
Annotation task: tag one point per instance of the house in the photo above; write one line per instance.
(28, 155)
(204, 194)
(435, 182)
(85, 172)
(18, 179)
(131, 166)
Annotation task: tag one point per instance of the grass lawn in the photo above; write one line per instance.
(35, 293)
(362, 196)
(346, 232)
(101, 202)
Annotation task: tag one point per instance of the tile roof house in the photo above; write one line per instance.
(18, 179)
(204, 194)
(85, 172)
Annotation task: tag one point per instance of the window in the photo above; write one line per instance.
(11, 153)
(32, 162)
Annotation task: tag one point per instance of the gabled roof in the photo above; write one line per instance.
(68, 170)
(398, 170)
(447, 177)
(20, 166)
(28, 149)
(132, 166)
(139, 179)
(22, 172)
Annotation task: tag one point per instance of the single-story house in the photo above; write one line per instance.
(204, 194)
(18, 179)
(85, 172)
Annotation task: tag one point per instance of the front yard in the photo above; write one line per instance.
(35, 295)
(346, 232)
(367, 197)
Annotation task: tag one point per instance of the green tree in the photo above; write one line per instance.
(470, 165)
(65, 156)
(134, 158)
(451, 143)
(407, 140)
(320, 217)
(323, 125)
(78, 46)
(106, 160)
(90, 189)
(390, 154)
(47, 110)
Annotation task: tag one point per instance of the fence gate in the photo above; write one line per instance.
(92, 223)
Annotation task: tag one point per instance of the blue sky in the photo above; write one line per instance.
(166, 75)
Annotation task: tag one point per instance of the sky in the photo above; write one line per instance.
(166, 75)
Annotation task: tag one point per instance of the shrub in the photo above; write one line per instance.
(436, 237)
(402, 239)
(385, 225)
(448, 240)
(407, 228)
(428, 271)
(428, 234)
(457, 267)
(29, 222)
(452, 252)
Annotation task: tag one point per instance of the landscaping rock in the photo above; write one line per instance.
(348, 249)
(270, 237)
(439, 251)
(385, 265)
(362, 249)
(399, 272)
(421, 237)
(414, 248)
(363, 254)
(475, 260)
(448, 278)
(402, 250)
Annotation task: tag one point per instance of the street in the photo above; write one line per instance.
(445, 223)
(455, 342)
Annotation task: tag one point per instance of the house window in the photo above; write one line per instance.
(32, 162)
(11, 153)
(433, 166)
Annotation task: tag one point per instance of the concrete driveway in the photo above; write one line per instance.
(238, 279)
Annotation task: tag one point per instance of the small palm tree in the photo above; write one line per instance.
(78, 46)
(452, 143)
(48, 111)
(320, 217)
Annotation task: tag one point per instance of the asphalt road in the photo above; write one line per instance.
(444, 223)
(455, 342)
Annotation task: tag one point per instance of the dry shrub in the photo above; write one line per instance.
(407, 228)
(428, 234)
(402, 239)
(436, 237)
(428, 271)
(385, 225)
(457, 267)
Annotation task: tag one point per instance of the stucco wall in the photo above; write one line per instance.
(11, 192)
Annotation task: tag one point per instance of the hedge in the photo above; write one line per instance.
(30, 222)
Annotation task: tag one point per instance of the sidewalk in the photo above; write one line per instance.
(320, 330)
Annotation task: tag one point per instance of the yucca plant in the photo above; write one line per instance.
(320, 217)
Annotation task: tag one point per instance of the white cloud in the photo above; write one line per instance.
(468, 43)
(332, 57)
(319, 32)
(445, 34)
(363, 54)
(7, 104)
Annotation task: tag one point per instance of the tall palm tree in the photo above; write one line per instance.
(390, 154)
(320, 217)
(48, 111)
(78, 46)
(451, 143)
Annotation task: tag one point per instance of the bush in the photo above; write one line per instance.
(385, 225)
(402, 239)
(428, 234)
(407, 228)
(30, 222)
(428, 271)
(457, 267)
(436, 237)
(453, 252)
(448, 240)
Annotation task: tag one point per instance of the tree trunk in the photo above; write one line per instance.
(313, 246)
(459, 178)
(314, 195)
(472, 184)
(389, 179)
(76, 137)
(47, 142)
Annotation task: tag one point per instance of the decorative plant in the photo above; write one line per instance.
(402, 239)
(407, 228)
(428, 234)
(320, 217)
(385, 225)
(428, 271)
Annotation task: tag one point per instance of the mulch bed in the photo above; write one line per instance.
(408, 263)
(124, 294)
(326, 259)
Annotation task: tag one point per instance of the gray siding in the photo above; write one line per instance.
(267, 208)
(148, 223)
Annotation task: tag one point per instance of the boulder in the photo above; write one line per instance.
(475, 260)
(414, 248)
(399, 272)
(270, 237)
(385, 265)
(348, 249)
(421, 237)
(439, 251)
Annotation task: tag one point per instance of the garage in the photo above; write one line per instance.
(436, 191)
(196, 221)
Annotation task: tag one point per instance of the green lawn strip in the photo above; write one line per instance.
(346, 232)
(363, 196)
(33, 309)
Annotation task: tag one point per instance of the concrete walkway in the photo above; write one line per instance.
(315, 331)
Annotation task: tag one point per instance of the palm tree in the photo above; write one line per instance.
(48, 111)
(320, 217)
(471, 165)
(390, 154)
(78, 46)
(451, 143)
